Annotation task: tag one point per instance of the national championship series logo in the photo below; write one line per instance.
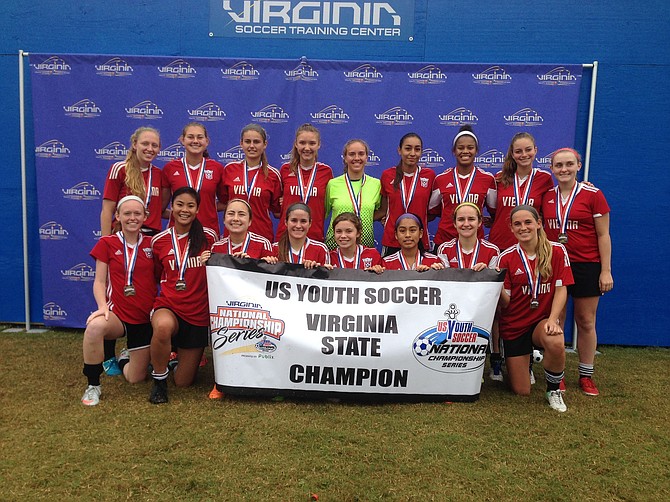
(245, 328)
(452, 345)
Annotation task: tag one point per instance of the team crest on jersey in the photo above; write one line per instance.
(424, 182)
(209, 174)
(148, 253)
(367, 262)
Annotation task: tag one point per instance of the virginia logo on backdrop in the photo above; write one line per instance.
(240, 71)
(112, 151)
(558, 76)
(52, 149)
(114, 67)
(392, 20)
(493, 75)
(209, 112)
(363, 74)
(53, 65)
(458, 117)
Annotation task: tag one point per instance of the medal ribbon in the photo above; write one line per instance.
(461, 258)
(463, 196)
(301, 186)
(129, 262)
(533, 282)
(249, 186)
(147, 199)
(356, 201)
(407, 199)
(522, 198)
(563, 210)
(357, 258)
(300, 253)
(180, 260)
(201, 174)
(403, 263)
(245, 244)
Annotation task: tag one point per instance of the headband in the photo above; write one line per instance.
(410, 216)
(130, 197)
(239, 200)
(464, 133)
(470, 204)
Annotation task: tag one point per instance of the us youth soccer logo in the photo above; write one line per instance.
(53, 65)
(493, 75)
(558, 76)
(51, 311)
(240, 71)
(303, 72)
(396, 116)
(209, 112)
(172, 152)
(270, 114)
(112, 151)
(452, 345)
(144, 110)
(490, 159)
(53, 231)
(83, 109)
(431, 158)
(81, 272)
(52, 149)
(331, 114)
(179, 68)
(245, 328)
(429, 74)
(525, 117)
(81, 191)
(458, 117)
(363, 74)
(234, 154)
(114, 67)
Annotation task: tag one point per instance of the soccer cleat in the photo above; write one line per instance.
(159, 394)
(496, 371)
(216, 393)
(561, 386)
(91, 396)
(588, 386)
(173, 361)
(555, 399)
(111, 367)
(124, 356)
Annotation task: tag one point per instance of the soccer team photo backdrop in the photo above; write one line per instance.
(85, 108)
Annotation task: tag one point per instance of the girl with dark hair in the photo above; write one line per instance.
(198, 171)
(463, 183)
(532, 299)
(518, 183)
(294, 245)
(350, 253)
(405, 188)
(412, 254)
(181, 311)
(255, 180)
(578, 216)
(304, 180)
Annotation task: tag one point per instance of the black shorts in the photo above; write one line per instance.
(139, 335)
(189, 336)
(522, 345)
(587, 280)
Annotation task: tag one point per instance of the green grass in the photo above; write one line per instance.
(502, 447)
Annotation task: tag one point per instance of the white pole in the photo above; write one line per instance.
(24, 197)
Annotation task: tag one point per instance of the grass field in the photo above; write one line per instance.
(503, 447)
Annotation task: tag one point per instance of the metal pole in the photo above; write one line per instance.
(24, 190)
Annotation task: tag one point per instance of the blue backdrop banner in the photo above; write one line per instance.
(85, 108)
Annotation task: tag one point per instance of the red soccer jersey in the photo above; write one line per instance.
(368, 257)
(260, 192)
(518, 317)
(394, 261)
(312, 250)
(588, 205)
(257, 247)
(316, 196)
(116, 189)
(500, 234)
(131, 309)
(211, 188)
(190, 304)
(418, 203)
(472, 188)
(487, 253)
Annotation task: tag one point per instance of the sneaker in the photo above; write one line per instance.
(203, 360)
(123, 356)
(91, 396)
(496, 371)
(561, 386)
(555, 399)
(216, 393)
(173, 361)
(588, 386)
(111, 367)
(159, 394)
(532, 377)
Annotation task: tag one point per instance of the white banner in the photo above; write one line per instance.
(283, 330)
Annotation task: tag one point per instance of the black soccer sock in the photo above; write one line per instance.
(93, 372)
(110, 348)
(553, 379)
